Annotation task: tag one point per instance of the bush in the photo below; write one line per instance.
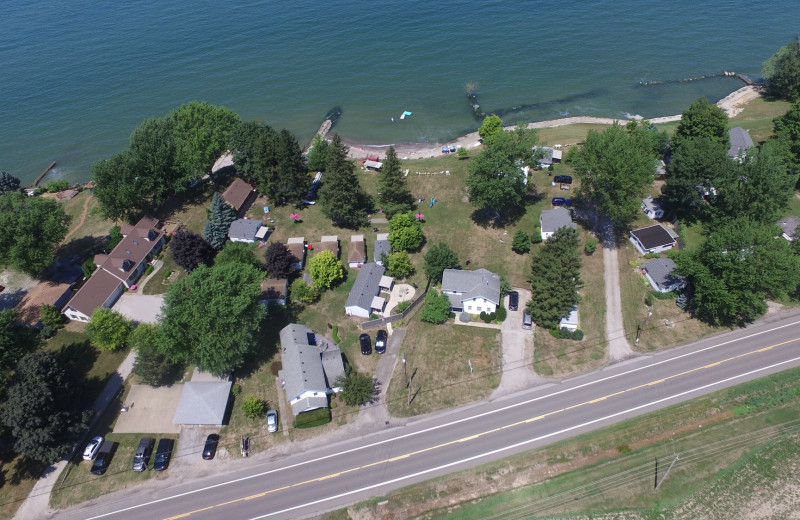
(254, 408)
(236, 390)
(166, 275)
(303, 292)
(313, 418)
(436, 308)
(88, 267)
(648, 299)
(149, 269)
(336, 334)
(403, 306)
(591, 245)
(672, 295)
(56, 186)
(563, 333)
(652, 255)
(536, 237)
(522, 242)
(500, 314)
(373, 316)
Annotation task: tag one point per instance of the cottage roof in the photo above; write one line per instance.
(203, 402)
(303, 367)
(44, 293)
(237, 193)
(571, 319)
(552, 219)
(329, 243)
(94, 292)
(138, 242)
(357, 251)
(472, 284)
(789, 226)
(653, 236)
(274, 289)
(661, 272)
(297, 246)
(375, 165)
(366, 286)
(740, 141)
(380, 248)
(244, 229)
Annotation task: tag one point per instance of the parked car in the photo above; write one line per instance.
(210, 449)
(380, 342)
(104, 456)
(272, 421)
(92, 448)
(561, 201)
(562, 179)
(163, 454)
(513, 300)
(143, 451)
(366, 344)
(527, 320)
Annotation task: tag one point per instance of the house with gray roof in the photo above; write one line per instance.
(204, 400)
(311, 364)
(660, 273)
(740, 142)
(552, 219)
(246, 230)
(364, 297)
(570, 321)
(789, 227)
(381, 247)
(471, 291)
(652, 208)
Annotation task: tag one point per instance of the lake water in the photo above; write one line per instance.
(77, 77)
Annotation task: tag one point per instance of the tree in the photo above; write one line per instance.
(41, 410)
(114, 238)
(51, 318)
(491, 125)
(8, 183)
(303, 292)
(153, 367)
(787, 130)
(399, 265)
(220, 217)
(405, 232)
(393, 194)
(190, 250)
(238, 252)
(615, 169)
(496, 181)
(436, 308)
(341, 196)
(152, 145)
(325, 269)
(462, 152)
(522, 242)
(281, 172)
(696, 161)
(202, 133)
(318, 154)
(704, 120)
(781, 72)
(280, 261)
(248, 137)
(254, 408)
(437, 259)
(15, 342)
(357, 389)
(734, 271)
(108, 329)
(117, 187)
(30, 230)
(207, 323)
(555, 278)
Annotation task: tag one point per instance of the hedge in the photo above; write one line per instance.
(313, 418)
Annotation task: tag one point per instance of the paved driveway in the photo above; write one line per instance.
(141, 308)
(150, 410)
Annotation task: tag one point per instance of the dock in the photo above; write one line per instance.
(331, 118)
(45, 172)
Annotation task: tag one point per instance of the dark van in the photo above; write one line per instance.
(163, 454)
(103, 458)
(562, 179)
(142, 456)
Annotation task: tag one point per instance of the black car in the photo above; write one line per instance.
(380, 342)
(513, 300)
(210, 449)
(163, 454)
(561, 201)
(103, 458)
(562, 179)
(366, 344)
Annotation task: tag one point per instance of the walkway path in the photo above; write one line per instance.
(83, 218)
(618, 347)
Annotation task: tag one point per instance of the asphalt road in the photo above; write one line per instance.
(346, 472)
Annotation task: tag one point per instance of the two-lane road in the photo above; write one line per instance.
(339, 474)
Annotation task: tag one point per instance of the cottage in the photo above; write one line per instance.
(552, 219)
(373, 165)
(652, 239)
(45, 293)
(652, 208)
(660, 273)
(274, 290)
(357, 252)
(311, 364)
(240, 196)
(329, 243)
(471, 291)
(247, 230)
(570, 321)
(740, 142)
(297, 246)
(204, 400)
(364, 297)
(549, 155)
(789, 227)
(381, 247)
(117, 270)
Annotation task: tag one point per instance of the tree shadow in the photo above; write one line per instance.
(184, 200)
(26, 469)
(268, 338)
(487, 218)
(78, 250)
(79, 356)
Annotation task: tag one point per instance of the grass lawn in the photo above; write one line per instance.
(18, 475)
(437, 355)
(757, 117)
(725, 466)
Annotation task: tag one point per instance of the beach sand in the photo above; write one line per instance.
(732, 104)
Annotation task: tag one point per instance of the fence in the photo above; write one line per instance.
(372, 324)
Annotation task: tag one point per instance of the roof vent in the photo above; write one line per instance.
(135, 243)
(128, 251)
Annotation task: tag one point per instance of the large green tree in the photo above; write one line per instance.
(190, 250)
(491, 125)
(341, 196)
(393, 194)
(438, 258)
(318, 154)
(8, 182)
(697, 161)
(555, 278)
(734, 271)
(206, 323)
(496, 181)
(703, 119)
(246, 140)
(240, 252)
(202, 133)
(108, 329)
(616, 168)
(782, 72)
(787, 130)
(436, 308)
(220, 217)
(41, 410)
(405, 232)
(357, 388)
(30, 230)
(325, 269)
(281, 172)
(153, 366)
(15, 342)
(117, 187)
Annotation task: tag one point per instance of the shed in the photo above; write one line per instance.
(203, 403)
(552, 219)
(373, 165)
(660, 273)
(789, 227)
(357, 251)
(570, 321)
(652, 239)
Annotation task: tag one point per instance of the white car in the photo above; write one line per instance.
(92, 448)
(272, 421)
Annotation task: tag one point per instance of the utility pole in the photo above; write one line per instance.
(674, 460)
(405, 374)
(408, 386)
(641, 326)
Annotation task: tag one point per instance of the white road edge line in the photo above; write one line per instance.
(444, 425)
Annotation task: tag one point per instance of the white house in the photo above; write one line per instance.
(364, 297)
(471, 291)
(247, 230)
(652, 208)
(570, 321)
(552, 219)
(660, 273)
(357, 251)
(652, 239)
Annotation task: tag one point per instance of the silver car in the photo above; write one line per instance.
(92, 448)
(272, 421)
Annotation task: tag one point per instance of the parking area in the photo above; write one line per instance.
(141, 308)
(150, 410)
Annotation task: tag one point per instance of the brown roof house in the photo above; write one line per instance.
(328, 243)
(357, 251)
(240, 195)
(45, 293)
(274, 290)
(117, 270)
(297, 246)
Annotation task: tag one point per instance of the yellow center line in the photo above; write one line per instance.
(491, 431)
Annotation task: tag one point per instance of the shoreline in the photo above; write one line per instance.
(732, 104)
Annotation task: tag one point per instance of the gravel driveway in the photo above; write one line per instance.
(518, 371)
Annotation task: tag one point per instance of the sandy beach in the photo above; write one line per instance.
(732, 104)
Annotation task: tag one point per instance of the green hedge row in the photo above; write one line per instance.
(313, 418)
